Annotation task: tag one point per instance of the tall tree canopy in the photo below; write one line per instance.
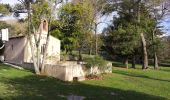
(124, 35)
(5, 9)
(74, 25)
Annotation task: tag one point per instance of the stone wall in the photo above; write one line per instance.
(56, 71)
(98, 70)
(67, 71)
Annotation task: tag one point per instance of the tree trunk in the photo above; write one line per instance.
(48, 38)
(96, 45)
(45, 54)
(36, 68)
(38, 52)
(91, 70)
(90, 49)
(145, 55)
(133, 61)
(46, 47)
(126, 62)
(156, 66)
(80, 57)
(38, 57)
(155, 54)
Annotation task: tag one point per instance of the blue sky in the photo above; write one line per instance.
(165, 23)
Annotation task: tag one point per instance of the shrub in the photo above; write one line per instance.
(95, 61)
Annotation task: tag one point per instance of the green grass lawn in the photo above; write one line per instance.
(122, 84)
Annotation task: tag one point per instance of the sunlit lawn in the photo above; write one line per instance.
(122, 84)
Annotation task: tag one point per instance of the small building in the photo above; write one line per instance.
(18, 49)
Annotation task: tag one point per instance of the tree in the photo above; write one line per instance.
(86, 24)
(139, 17)
(3, 25)
(97, 7)
(69, 16)
(157, 14)
(41, 13)
(137, 14)
(122, 35)
(19, 29)
(18, 6)
(165, 50)
(5, 9)
(74, 26)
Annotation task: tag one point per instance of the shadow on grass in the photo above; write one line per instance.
(118, 64)
(44, 88)
(166, 70)
(4, 67)
(140, 76)
(164, 65)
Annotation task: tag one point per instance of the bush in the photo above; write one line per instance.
(95, 61)
(68, 57)
(92, 61)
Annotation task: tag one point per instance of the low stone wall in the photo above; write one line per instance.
(67, 71)
(56, 71)
(28, 66)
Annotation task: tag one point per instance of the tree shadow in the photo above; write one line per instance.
(166, 70)
(140, 76)
(4, 67)
(118, 64)
(164, 64)
(45, 88)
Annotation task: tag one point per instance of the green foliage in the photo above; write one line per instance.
(165, 62)
(40, 10)
(15, 29)
(3, 25)
(69, 17)
(19, 29)
(125, 39)
(165, 51)
(5, 8)
(74, 25)
(18, 6)
(122, 36)
(93, 61)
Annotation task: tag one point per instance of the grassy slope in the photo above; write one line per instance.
(121, 85)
